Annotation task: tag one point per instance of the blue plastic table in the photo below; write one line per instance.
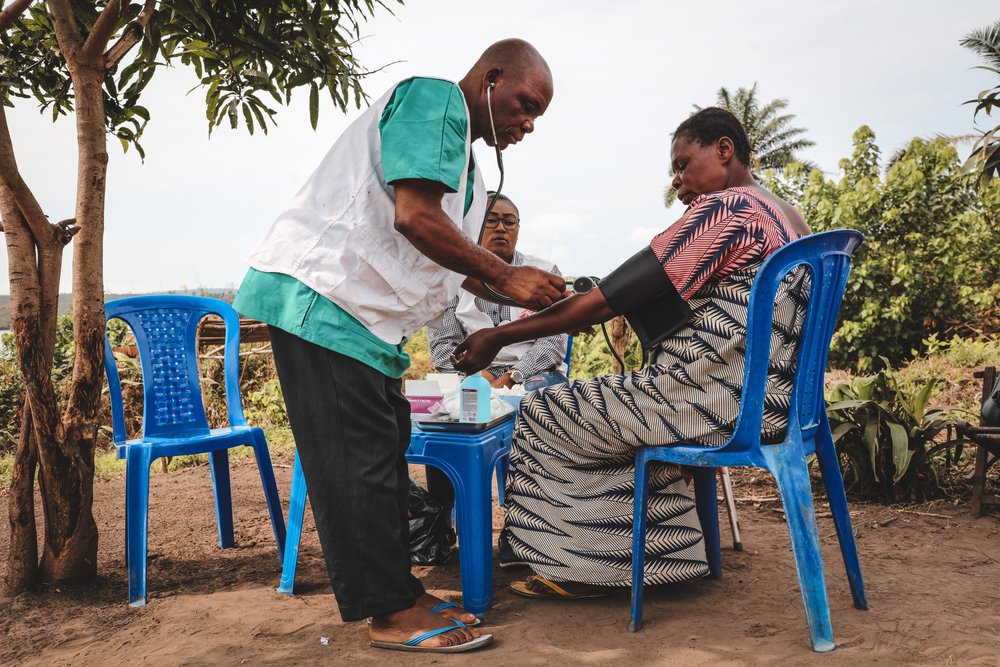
(469, 460)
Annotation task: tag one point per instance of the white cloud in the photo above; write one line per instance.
(553, 224)
(644, 234)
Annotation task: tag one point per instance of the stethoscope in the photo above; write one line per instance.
(581, 285)
(494, 295)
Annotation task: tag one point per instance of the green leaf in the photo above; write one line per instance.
(255, 105)
(847, 405)
(232, 111)
(901, 452)
(866, 388)
(248, 117)
(313, 104)
(921, 398)
(843, 429)
(870, 437)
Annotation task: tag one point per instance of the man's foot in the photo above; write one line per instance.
(541, 588)
(447, 609)
(395, 630)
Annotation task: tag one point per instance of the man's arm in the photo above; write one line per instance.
(420, 218)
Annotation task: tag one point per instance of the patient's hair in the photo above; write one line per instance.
(711, 124)
(502, 197)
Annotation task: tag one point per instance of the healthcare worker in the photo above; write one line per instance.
(372, 248)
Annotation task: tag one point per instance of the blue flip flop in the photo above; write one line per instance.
(414, 644)
(447, 605)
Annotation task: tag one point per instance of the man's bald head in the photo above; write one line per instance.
(507, 89)
(510, 55)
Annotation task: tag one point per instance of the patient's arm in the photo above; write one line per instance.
(567, 316)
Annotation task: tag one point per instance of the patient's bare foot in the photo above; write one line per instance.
(427, 601)
(403, 626)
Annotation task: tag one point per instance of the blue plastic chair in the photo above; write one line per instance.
(174, 421)
(828, 255)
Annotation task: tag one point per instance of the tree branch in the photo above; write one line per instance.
(67, 32)
(21, 195)
(103, 28)
(130, 37)
(12, 11)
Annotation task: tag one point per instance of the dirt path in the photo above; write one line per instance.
(933, 584)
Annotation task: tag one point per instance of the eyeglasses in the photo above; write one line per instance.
(509, 222)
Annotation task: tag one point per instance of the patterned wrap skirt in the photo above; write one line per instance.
(572, 465)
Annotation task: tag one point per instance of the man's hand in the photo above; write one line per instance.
(475, 352)
(532, 288)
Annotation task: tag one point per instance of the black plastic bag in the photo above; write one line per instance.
(431, 535)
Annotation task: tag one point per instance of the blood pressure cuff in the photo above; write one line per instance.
(640, 290)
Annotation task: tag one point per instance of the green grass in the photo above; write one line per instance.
(108, 466)
(954, 361)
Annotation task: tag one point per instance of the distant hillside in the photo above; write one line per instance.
(66, 301)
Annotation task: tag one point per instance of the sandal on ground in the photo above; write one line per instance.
(550, 590)
(448, 605)
(414, 644)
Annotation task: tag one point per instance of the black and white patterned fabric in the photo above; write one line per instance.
(571, 483)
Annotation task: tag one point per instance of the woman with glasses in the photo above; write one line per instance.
(533, 363)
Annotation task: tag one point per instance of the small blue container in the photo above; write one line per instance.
(474, 399)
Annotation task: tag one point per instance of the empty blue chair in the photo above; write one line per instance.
(828, 256)
(173, 419)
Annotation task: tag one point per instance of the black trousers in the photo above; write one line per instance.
(351, 426)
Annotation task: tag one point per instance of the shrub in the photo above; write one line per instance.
(928, 262)
(885, 432)
(420, 356)
(11, 395)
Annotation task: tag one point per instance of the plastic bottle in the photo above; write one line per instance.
(474, 399)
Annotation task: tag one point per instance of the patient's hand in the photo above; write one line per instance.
(475, 352)
(502, 382)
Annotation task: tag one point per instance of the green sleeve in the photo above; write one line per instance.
(423, 130)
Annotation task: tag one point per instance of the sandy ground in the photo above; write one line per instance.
(933, 584)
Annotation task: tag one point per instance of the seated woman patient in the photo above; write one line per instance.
(571, 482)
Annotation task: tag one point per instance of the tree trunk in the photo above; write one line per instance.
(25, 306)
(67, 479)
(62, 446)
(22, 560)
(620, 333)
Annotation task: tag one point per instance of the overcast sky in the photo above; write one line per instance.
(589, 181)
